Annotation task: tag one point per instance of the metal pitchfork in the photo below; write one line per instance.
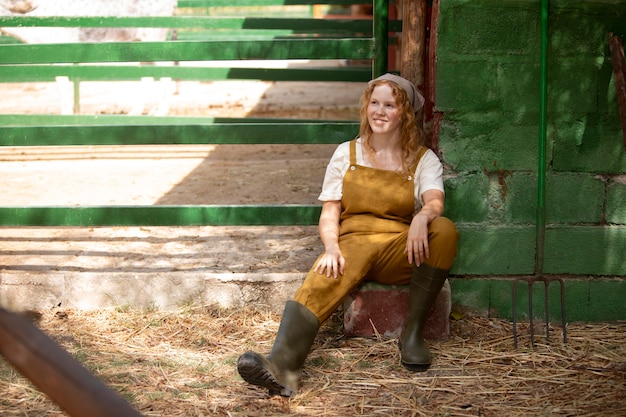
(531, 281)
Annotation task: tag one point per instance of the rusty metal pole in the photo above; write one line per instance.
(55, 372)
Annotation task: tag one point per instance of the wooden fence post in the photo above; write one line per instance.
(413, 46)
(413, 41)
(619, 71)
(55, 372)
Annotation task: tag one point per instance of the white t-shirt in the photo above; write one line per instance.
(428, 174)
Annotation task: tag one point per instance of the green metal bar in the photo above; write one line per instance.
(189, 22)
(172, 134)
(161, 216)
(48, 72)
(381, 37)
(543, 127)
(186, 51)
(116, 119)
(242, 3)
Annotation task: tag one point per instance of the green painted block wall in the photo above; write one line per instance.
(586, 250)
(616, 202)
(572, 198)
(488, 142)
(467, 198)
(488, 96)
(504, 250)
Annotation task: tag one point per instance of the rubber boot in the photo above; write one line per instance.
(279, 372)
(426, 282)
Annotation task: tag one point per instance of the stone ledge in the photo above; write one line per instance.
(166, 290)
(382, 309)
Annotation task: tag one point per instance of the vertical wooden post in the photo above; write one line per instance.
(619, 71)
(432, 115)
(413, 41)
(412, 66)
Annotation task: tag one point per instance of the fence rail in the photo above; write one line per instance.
(350, 39)
(53, 130)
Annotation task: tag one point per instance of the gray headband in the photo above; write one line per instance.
(417, 100)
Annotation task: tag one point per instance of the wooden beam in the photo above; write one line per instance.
(619, 70)
(412, 61)
(433, 117)
(413, 41)
(55, 372)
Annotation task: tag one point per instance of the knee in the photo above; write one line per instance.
(442, 240)
(444, 229)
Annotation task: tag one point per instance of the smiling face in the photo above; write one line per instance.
(383, 112)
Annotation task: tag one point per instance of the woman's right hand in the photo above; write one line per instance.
(332, 263)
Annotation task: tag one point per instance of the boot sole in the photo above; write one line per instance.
(253, 371)
(416, 367)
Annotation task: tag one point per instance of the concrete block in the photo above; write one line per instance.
(495, 250)
(585, 250)
(616, 201)
(385, 308)
(467, 198)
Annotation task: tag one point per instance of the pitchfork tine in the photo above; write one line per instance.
(563, 324)
(531, 281)
(545, 296)
(530, 312)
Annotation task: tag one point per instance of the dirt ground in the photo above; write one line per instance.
(211, 174)
(183, 363)
(169, 175)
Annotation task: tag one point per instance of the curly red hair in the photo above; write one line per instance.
(410, 133)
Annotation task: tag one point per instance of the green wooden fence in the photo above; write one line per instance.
(318, 39)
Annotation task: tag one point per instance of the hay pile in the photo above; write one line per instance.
(183, 364)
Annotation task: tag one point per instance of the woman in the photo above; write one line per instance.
(382, 201)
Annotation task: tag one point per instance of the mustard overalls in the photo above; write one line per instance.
(377, 209)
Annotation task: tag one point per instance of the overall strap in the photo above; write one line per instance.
(353, 152)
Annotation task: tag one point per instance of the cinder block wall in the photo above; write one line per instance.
(488, 95)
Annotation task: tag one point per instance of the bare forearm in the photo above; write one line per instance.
(433, 205)
(431, 210)
(329, 224)
(417, 247)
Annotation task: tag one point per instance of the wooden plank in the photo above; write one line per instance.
(619, 71)
(47, 73)
(186, 51)
(413, 58)
(413, 42)
(55, 372)
(205, 215)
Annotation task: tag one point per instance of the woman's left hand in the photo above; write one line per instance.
(417, 241)
(417, 248)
